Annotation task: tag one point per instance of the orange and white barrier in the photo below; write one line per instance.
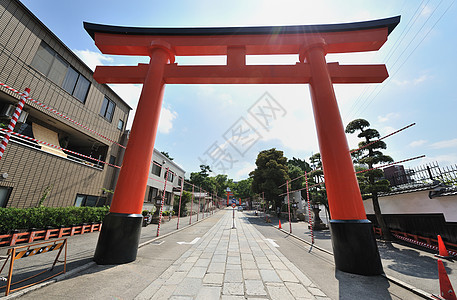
(13, 121)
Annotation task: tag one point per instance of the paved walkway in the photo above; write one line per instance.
(231, 263)
(413, 265)
(80, 253)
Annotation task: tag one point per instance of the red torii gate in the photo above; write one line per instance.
(353, 240)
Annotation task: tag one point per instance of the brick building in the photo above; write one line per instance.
(32, 56)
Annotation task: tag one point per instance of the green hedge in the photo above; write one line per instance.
(42, 217)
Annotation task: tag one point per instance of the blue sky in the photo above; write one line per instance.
(195, 119)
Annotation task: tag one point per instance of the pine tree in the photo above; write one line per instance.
(371, 182)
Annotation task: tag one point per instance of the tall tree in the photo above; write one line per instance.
(202, 179)
(297, 167)
(243, 189)
(301, 163)
(221, 182)
(270, 173)
(293, 172)
(317, 193)
(371, 182)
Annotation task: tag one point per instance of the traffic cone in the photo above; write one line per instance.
(446, 290)
(443, 253)
(280, 224)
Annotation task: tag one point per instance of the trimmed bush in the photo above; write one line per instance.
(42, 217)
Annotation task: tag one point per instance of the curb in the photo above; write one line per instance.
(392, 279)
(89, 265)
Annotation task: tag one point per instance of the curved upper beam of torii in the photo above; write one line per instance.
(236, 43)
(355, 249)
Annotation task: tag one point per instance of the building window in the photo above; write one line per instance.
(107, 110)
(167, 198)
(53, 66)
(156, 168)
(112, 160)
(5, 193)
(152, 193)
(179, 181)
(120, 125)
(88, 200)
(171, 176)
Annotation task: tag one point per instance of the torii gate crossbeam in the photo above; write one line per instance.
(353, 241)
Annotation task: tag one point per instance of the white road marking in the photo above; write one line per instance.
(189, 243)
(272, 242)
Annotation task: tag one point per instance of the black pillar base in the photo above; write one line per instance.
(119, 239)
(354, 247)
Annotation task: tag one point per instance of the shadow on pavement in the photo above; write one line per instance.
(320, 235)
(353, 286)
(19, 279)
(410, 262)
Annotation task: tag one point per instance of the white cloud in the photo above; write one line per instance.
(166, 120)
(388, 117)
(386, 130)
(426, 11)
(443, 160)
(209, 92)
(92, 59)
(414, 81)
(130, 93)
(243, 173)
(417, 143)
(445, 144)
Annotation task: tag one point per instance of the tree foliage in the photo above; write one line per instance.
(242, 189)
(185, 198)
(317, 191)
(270, 173)
(203, 180)
(166, 155)
(371, 182)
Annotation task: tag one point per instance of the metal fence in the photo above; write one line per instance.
(426, 175)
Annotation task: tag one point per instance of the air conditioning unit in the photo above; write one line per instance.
(9, 110)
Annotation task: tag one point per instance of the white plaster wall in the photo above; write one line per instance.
(416, 203)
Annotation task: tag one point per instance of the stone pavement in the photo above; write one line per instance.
(231, 263)
(80, 252)
(402, 261)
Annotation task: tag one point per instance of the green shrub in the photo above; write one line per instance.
(42, 217)
(186, 198)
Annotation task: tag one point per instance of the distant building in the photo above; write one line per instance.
(157, 174)
(397, 175)
(31, 56)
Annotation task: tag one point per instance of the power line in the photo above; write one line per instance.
(364, 105)
(407, 58)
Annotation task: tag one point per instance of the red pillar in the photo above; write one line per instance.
(340, 180)
(353, 240)
(119, 238)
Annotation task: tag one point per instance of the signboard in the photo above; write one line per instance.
(233, 201)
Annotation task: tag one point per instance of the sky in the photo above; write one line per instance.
(198, 121)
